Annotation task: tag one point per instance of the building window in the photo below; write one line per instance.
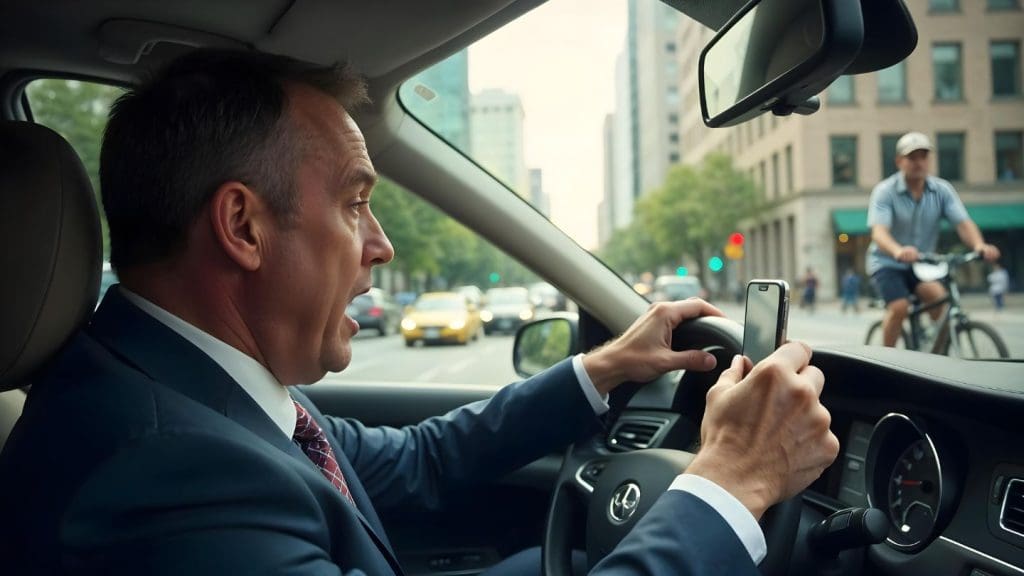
(1005, 68)
(760, 126)
(844, 160)
(943, 5)
(946, 67)
(672, 96)
(1003, 4)
(670, 47)
(776, 191)
(789, 168)
(892, 83)
(889, 153)
(951, 156)
(1009, 156)
(840, 91)
(673, 119)
(763, 178)
(673, 138)
(673, 158)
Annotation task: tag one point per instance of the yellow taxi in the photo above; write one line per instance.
(441, 317)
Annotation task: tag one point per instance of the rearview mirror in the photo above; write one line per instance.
(541, 344)
(776, 55)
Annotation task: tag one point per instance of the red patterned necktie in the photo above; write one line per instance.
(314, 443)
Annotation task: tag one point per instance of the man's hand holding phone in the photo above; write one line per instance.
(765, 435)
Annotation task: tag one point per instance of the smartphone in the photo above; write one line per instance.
(764, 323)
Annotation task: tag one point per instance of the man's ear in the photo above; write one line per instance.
(240, 220)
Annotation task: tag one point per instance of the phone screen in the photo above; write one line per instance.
(761, 330)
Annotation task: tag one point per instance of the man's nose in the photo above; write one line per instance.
(377, 249)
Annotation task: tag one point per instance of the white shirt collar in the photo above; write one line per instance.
(252, 376)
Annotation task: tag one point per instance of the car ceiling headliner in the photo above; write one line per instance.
(388, 40)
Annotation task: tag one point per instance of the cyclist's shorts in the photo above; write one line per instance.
(894, 283)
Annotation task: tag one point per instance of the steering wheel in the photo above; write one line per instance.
(614, 490)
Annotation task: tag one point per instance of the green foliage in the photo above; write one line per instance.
(428, 242)
(78, 112)
(691, 214)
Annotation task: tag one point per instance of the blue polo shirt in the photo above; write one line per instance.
(911, 223)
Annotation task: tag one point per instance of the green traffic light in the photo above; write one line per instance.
(494, 277)
(682, 271)
(715, 264)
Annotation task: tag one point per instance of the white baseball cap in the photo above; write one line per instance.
(913, 141)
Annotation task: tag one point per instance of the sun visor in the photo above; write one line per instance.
(124, 41)
(889, 36)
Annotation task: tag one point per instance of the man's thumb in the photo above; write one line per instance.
(734, 373)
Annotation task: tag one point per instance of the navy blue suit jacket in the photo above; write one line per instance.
(137, 454)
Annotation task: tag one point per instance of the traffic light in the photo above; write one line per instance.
(682, 271)
(734, 249)
(715, 264)
(494, 277)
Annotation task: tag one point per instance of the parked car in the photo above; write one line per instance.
(375, 310)
(441, 317)
(506, 309)
(669, 288)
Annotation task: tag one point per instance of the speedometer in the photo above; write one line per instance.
(914, 494)
(907, 478)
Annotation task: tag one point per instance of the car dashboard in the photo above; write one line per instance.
(936, 444)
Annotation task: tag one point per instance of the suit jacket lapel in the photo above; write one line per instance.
(160, 353)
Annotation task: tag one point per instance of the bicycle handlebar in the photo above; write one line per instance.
(951, 259)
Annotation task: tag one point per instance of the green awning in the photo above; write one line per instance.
(987, 216)
(853, 222)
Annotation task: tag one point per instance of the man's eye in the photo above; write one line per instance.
(360, 204)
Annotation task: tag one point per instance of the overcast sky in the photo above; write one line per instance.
(560, 59)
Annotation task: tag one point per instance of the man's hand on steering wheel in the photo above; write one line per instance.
(644, 351)
(765, 435)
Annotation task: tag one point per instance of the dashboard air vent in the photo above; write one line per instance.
(1011, 516)
(635, 433)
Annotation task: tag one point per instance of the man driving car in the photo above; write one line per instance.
(168, 436)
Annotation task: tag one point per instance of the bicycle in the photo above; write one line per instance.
(971, 339)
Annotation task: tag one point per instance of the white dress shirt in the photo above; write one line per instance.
(274, 399)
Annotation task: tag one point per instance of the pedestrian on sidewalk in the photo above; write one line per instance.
(810, 283)
(998, 285)
(851, 291)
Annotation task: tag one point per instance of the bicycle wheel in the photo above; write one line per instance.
(979, 341)
(874, 337)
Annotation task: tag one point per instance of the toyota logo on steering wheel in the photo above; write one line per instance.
(625, 500)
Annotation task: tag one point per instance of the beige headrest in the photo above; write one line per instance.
(50, 248)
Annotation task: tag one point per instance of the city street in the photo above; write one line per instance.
(489, 360)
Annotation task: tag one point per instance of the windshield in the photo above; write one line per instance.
(598, 126)
(432, 304)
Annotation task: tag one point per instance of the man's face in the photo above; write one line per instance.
(315, 265)
(915, 166)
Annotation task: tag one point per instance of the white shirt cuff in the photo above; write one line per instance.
(599, 404)
(735, 513)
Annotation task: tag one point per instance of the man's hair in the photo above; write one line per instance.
(209, 117)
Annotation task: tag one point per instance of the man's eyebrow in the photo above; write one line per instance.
(359, 175)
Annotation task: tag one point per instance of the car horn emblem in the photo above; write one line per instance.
(625, 500)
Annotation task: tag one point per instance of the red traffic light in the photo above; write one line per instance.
(736, 239)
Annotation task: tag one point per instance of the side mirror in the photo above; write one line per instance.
(776, 55)
(543, 343)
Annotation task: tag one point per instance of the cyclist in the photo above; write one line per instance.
(904, 216)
